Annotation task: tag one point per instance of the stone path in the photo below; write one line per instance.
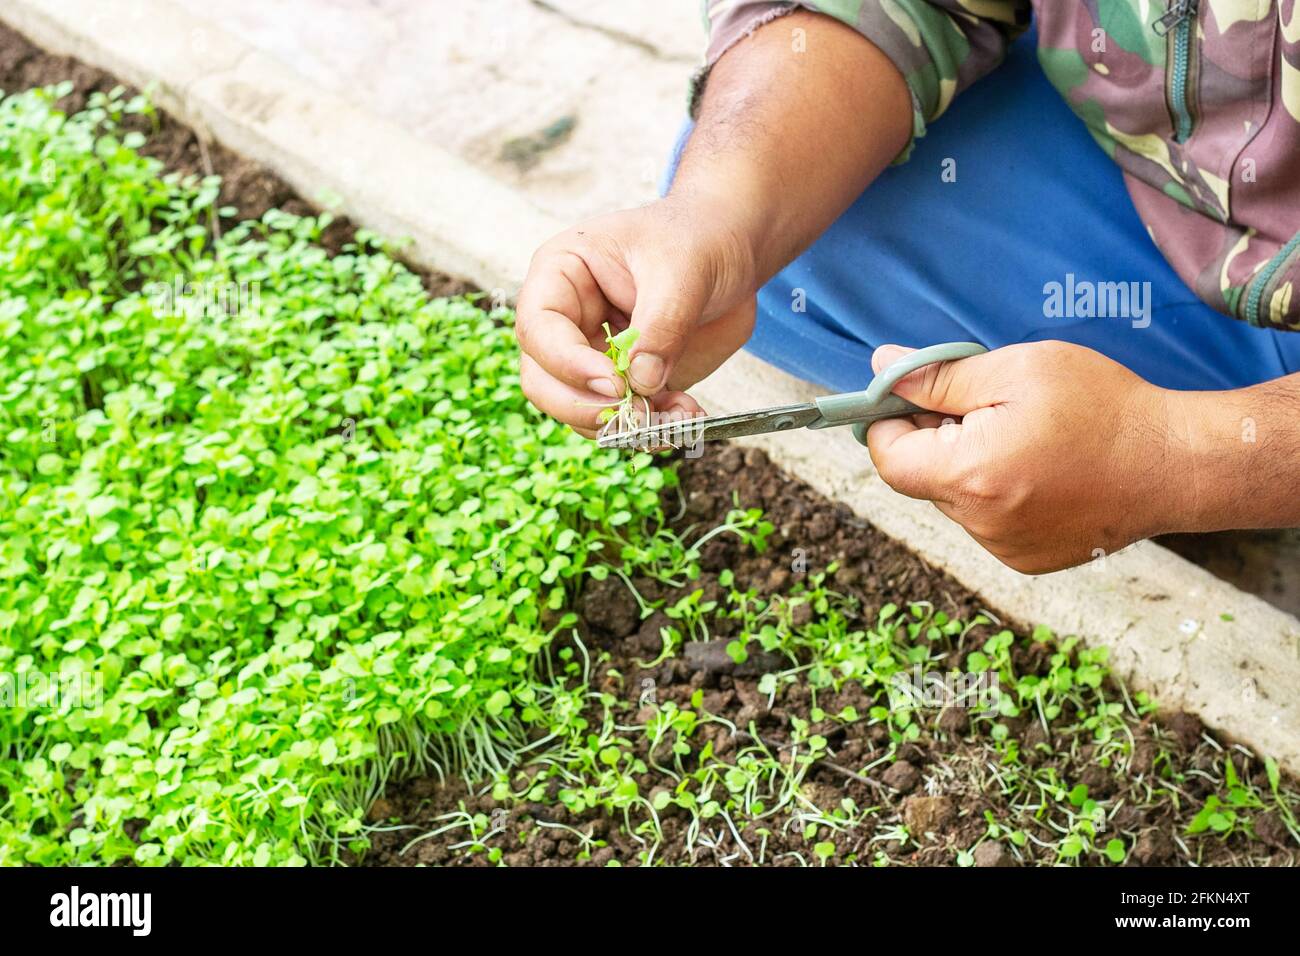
(574, 102)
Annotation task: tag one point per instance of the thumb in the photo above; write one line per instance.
(950, 388)
(668, 307)
(913, 461)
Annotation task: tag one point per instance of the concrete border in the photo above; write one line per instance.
(457, 219)
(1162, 616)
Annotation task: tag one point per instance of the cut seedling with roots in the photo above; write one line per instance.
(632, 411)
(623, 414)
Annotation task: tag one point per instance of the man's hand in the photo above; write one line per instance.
(673, 270)
(1048, 454)
(785, 140)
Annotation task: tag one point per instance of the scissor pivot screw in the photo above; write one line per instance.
(785, 421)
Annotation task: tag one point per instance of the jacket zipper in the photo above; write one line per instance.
(1256, 289)
(1179, 24)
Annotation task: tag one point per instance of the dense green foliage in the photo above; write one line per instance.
(286, 537)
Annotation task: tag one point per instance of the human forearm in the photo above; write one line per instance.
(788, 135)
(1239, 457)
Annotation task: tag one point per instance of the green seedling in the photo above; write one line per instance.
(622, 414)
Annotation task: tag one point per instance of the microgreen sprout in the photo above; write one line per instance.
(622, 414)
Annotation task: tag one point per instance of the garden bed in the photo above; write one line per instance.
(788, 748)
(953, 780)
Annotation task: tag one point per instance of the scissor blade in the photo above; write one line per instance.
(689, 431)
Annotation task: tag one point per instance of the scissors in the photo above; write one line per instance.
(859, 409)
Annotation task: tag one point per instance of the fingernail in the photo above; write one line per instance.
(603, 386)
(647, 372)
(887, 355)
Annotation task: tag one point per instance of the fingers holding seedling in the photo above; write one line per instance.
(633, 410)
(558, 323)
(576, 407)
(619, 352)
(629, 411)
(587, 411)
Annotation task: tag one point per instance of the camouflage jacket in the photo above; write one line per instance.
(1198, 101)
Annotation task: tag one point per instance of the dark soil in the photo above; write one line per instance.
(935, 785)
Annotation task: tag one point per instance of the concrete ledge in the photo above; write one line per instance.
(458, 220)
(1162, 616)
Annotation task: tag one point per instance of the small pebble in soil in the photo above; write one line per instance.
(731, 460)
(610, 606)
(719, 554)
(927, 815)
(712, 656)
(902, 776)
(822, 526)
(701, 504)
(747, 693)
(912, 753)
(1035, 737)
(1153, 848)
(1270, 828)
(649, 638)
(1099, 782)
(954, 721)
(991, 853)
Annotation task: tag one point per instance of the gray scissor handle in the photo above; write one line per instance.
(876, 401)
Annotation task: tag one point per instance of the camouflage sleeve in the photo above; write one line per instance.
(940, 46)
